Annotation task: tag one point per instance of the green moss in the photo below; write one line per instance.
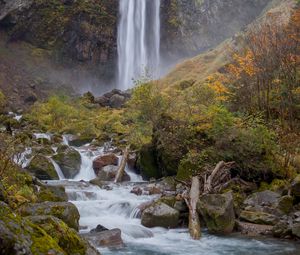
(147, 163)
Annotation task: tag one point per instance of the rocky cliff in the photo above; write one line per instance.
(190, 27)
(82, 35)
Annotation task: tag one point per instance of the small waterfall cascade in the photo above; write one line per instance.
(138, 41)
(114, 206)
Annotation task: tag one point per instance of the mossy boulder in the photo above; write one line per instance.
(63, 210)
(41, 167)
(160, 214)
(147, 164)
(285, 204)
(258, 217)
(52, 194)
(21, 236)
(66, 237)
(217, 212)
(69, 161)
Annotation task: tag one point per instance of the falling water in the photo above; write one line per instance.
(138, 41)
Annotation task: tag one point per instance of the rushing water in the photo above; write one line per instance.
(138, 40)
(115, 207)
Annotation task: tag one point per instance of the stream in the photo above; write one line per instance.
(116, 207)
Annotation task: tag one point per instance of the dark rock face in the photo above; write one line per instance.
(75, 32)
(296, 186)
(63, 210)
(189, 27)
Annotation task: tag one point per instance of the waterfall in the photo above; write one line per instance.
(138, 41)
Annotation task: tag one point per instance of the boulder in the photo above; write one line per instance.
(264, 198)
(251, 229)
(160, 215)
(52, 193)
(296, 186)
(21, 236)
(109, 238)
(258, 217)
(217, 211)
(285, 204)
(131, 161)
(108, 173)
(296, 229)
(69, 161)
(117, 101)
(67, 238)
(104, 160)
(282, 229)
(41, 167)
(63, 210)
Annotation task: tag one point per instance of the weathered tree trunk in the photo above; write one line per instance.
(194, 222)
(209, 181)
(121, 170)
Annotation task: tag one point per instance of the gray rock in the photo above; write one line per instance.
(296, 229)
(217, 211)
(109, 238)
(117, 101)
(63, 210)
(258, 217)
(160, 215)
(108, 173)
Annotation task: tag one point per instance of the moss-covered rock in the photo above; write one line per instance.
(21, 236)
(147, 163)
(258, 217)
(66, 237)
(52, 194)
(69, 161)
(160, 215)
(63, 210)
(41, 167)
(285, 204)
(217, 211)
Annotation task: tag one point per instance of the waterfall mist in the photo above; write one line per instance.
(138, 41)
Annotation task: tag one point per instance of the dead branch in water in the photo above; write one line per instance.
(121, 170)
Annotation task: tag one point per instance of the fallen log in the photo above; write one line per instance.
(121, 169)
(218, 176)
(191, 201)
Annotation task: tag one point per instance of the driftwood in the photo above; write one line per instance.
(191, 201)
(121, 169)
(218, 176)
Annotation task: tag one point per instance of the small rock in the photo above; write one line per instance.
(296, 229)
(98, 229)
(109, 238)
(251, 229)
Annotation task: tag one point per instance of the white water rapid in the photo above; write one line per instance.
(114, 206)
(138, 41)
